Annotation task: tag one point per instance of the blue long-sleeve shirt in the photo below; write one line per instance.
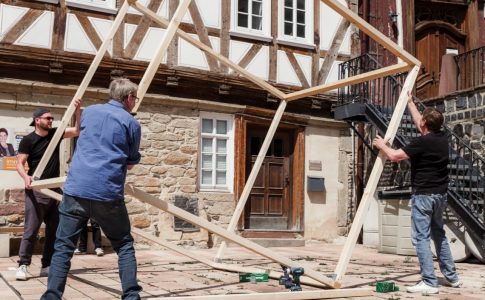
(109, 141)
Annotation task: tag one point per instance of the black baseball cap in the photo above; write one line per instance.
(38, 113)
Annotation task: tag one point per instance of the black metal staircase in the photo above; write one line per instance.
(374, 101)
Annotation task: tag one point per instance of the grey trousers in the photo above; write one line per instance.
(39, 208)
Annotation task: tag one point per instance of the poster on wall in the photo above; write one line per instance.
(9, 144)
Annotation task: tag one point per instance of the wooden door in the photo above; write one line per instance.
(268, 206)
(435, 37)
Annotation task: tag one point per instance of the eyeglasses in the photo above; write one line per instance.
(47, 118)
(136, 98)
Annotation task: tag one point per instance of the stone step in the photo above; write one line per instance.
(272, 242)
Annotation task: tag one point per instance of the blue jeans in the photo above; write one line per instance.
(426, 222)
(112, 217)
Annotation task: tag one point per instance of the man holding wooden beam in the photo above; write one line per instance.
(107, 147)
(429, 155)
(39, 207)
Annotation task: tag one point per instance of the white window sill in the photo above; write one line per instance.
(251, 36)
(92, 7)
(300, 44)
(212, 190)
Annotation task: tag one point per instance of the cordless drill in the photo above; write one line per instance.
(291, 278)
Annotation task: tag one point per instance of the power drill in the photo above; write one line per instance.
(291, 278)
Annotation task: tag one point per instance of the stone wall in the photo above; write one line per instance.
(169, 167)
(465, 115)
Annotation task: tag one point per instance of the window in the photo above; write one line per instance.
(108, 6)
(251, 17)
(296, 23)
(216, 155)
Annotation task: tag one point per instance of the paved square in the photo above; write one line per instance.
(164, 274)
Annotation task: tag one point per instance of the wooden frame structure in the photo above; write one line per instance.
(409, 64)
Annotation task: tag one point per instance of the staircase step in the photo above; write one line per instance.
(467, 189)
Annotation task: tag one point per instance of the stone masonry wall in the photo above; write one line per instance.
(346, 204)
(465, 115)
(169, 167)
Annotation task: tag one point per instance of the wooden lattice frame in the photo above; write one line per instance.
(409, 64)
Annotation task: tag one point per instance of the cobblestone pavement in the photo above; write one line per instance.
(164, 274)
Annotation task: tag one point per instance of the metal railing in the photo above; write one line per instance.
(471, 69)
(467, 167)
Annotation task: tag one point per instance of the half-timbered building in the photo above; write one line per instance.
(203, 124)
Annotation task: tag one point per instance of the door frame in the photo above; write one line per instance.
(297, 169)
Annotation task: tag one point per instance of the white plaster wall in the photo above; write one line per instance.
(321, 207)
(371, 224)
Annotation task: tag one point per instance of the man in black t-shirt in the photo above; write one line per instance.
(38, 207)
(429, 178)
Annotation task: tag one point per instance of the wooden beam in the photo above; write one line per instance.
(249, 56)
(374, 177)
(317, 294)
(298, 71)
(49, 183)
(141, 30)
(219, 266)
(80, 92)
(89, 30)
(155, 61)
(171, 246)
(203, 223)
(252, 177)
(372, 32)
(203, 35)
(225, 28)
(51, 194)
(256, 80)
(332, 53)
(391, 70)
(21, 26)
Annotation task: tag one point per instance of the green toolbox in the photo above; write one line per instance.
(253, 277)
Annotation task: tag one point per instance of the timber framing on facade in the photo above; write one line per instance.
(409, 64)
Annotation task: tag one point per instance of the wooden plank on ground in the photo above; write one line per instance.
(382, 72)
(256, 80)
(162, 49)
(201, 222)
(252, 177)
(317, 294)
(219, 266)
(80, 92)
(374, 178)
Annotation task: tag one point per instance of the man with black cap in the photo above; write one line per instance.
(38, 207)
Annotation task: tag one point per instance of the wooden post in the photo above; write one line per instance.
(374, 177)
(390, 70)
(317, 294)
(51, 194)
(155, 62)
(178, 212)
(80, 92)
(49, 183)
(372, 32)
(252, 177)
(224, 60)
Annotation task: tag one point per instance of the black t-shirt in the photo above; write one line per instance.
(35, 145)
(429, 163)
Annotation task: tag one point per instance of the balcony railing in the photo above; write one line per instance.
(471, 69)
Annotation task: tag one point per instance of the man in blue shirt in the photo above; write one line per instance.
(107, 147)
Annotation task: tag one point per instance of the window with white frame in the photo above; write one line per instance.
(296, 20)
(251, 17)
(216, 152)
(108, 6)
